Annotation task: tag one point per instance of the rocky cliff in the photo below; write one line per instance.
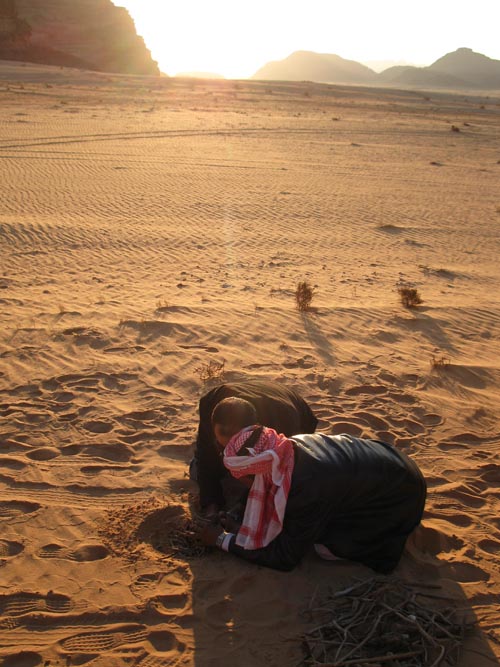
(87, 33)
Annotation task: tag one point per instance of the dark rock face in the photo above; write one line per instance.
(13, 30)
(78, 33)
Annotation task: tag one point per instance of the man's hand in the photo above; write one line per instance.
(230, 524)
(210, 533)
(211, 512)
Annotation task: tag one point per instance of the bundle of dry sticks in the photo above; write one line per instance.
(386, 622)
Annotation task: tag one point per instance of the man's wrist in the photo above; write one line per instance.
(220, 539)
(223, 540)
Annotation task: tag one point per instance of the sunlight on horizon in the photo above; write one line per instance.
(229, 39)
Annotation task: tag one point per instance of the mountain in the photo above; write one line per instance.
(310, 66)
(420, 77)
(381, 65)
(94, 34)
(463, 68)
(475, 68)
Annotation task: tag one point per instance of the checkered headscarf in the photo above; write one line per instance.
(271, 460)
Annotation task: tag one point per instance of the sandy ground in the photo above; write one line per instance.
(154, 229)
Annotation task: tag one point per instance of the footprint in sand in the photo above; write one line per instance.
(219, 614)
(456, 518)
(43, 454)
(11, 463)
(96, 642)
(466, 573)
(9, 549)
(146, 581)
(20, 604)
(97, 426)
(374, 422)
(346, 427)
(169, 604)
(179, 576)
(431, 419)
(17, 508)
(163, 641)
(454, 495)
(93, 470)
(435, 538)
(408, 425)
(371, 389)
(116, 452)
(386, 436)
(491, 473)
(85, 553)
(23, 659)
(490, 546)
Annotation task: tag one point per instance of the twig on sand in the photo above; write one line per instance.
(379, 620)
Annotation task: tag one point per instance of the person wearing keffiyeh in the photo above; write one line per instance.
(275, 405)
(350, 498)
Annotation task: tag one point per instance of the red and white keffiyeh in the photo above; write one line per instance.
(271, 460)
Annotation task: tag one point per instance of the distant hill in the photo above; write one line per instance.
(422, 77)
(94, 34)
(310, 66)
(475, 68)
(463, 68)
(199, 75)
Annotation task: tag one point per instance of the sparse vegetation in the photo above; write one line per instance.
(303, 296)
(439, 361)
(410, 298)
(162, 305)
(213, 371)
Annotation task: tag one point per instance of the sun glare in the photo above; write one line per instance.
(234, 40)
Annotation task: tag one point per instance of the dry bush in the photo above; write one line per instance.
(213, 371)
(304, 295)
(439, 361)
(410, 298)
(162, 304)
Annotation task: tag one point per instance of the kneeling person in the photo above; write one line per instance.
(276, 406)
(358, 498)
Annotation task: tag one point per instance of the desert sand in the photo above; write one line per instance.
(153, 232)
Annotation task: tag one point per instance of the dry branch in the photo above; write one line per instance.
(380, 621)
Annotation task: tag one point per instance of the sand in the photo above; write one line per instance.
(153, 232)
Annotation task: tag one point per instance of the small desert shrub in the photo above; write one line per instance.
(211, 371)
(162, 305)
(304, 295)
(439, 361)
(410, 298)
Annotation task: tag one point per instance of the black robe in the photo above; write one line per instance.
(360, 498)
(277, 407)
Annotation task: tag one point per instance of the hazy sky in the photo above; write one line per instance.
(235, 38)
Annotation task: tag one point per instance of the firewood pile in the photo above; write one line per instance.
(386, 622)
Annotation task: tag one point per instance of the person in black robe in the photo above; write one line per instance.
(353, 498)
(276, 406)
